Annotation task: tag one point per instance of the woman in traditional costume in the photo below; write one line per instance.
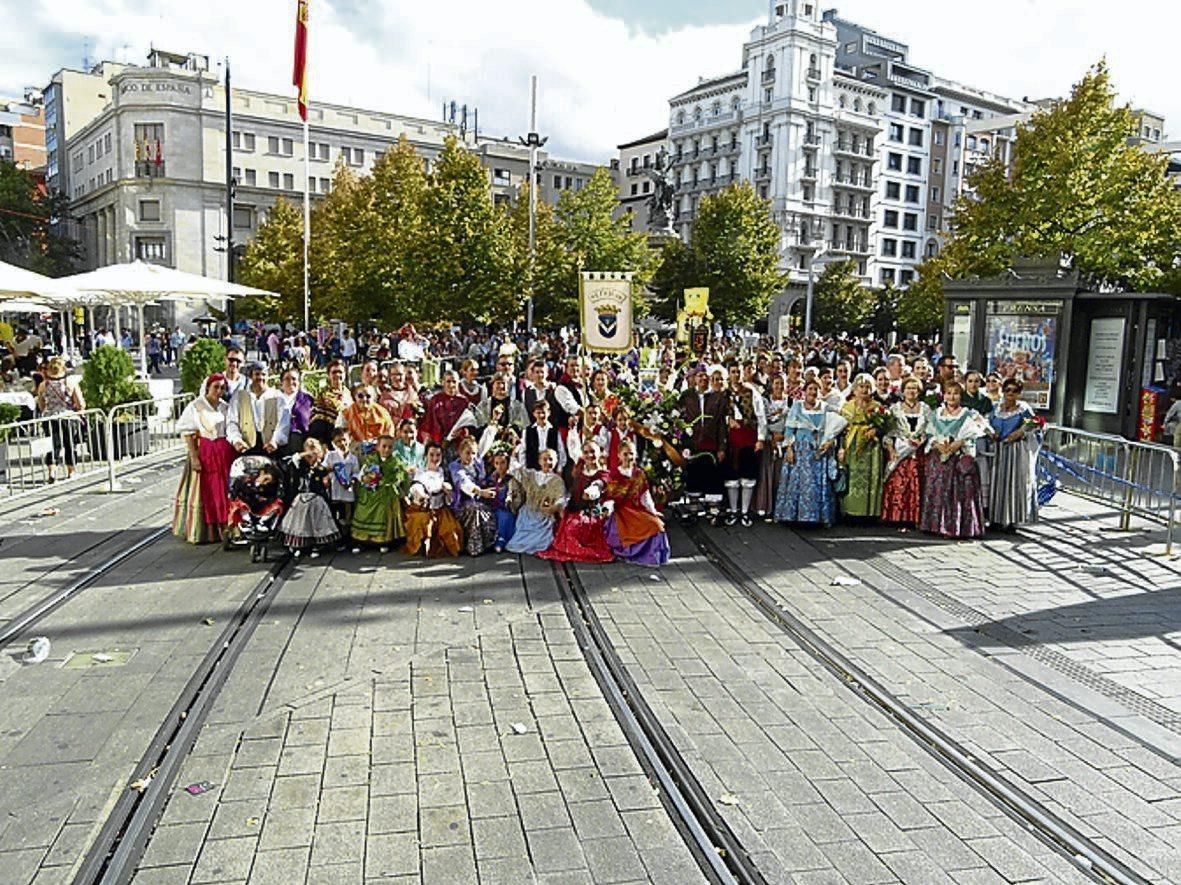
(1013, 493)
(365, 419)
(861, 453)
(581, 535)
(544, 497)
(635, 529)
(430, 524)
(329, 403)
(810, 435)
(775, 406)
(905, 443)
(202, 501)
(952, 504)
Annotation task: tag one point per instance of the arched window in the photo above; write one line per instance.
(842, 100)
(717, 108)
(735, 102)
(680, 117)
(697, 113)
(872, 109)
(857, 105)
(812, 60)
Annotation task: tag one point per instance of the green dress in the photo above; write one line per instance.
(377, 518)
(863, 457)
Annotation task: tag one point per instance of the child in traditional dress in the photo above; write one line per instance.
(345, 467)
(378, 515)
(408, 449)
(430, 524)
(308, 523)
(544, 498)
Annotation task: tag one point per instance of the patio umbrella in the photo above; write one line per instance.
(139, 282)
(51, 295)
(22, 305)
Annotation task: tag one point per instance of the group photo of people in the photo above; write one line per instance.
(535, 447)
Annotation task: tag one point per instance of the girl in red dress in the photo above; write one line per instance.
(580, 536)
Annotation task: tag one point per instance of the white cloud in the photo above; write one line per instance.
(602, 81)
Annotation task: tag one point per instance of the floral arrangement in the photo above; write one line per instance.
(370, 477)
(880, 419)
(656, 416)
(1033, 423)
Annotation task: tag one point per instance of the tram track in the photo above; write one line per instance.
(1032, 815)
(115, 854)
(718, 852)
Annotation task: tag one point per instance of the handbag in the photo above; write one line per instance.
(840, 482)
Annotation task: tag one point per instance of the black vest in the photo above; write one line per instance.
(533, 450)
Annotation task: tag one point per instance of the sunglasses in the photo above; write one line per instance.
(232, 360)
(362, 396)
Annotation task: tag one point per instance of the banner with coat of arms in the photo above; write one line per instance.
(605, 308)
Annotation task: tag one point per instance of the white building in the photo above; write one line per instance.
(638, 161)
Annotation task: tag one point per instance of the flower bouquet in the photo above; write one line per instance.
(1033, 423)
(370, 477)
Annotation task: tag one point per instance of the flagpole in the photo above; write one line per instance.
(307, 226)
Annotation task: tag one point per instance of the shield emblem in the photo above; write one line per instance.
(608, 324)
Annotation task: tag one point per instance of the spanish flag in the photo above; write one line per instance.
(300, 77)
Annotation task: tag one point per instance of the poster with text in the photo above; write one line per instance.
(1021, 340)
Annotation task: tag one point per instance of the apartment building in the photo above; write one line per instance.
(638, 162)
(22, 131)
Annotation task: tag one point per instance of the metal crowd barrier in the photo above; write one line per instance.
(94, 440)
(1136, 478)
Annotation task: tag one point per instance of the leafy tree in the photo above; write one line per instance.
(339, 227)
(1079, 186)
(884, 316)
(29, 224)
(274, 261)
(597, 240)
(840, 302)
(200, 359)
(735, 252)
(676, 272)
(553, 267)
(920, 305)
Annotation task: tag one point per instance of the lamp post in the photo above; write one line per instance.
(534, 142)
(814, 252)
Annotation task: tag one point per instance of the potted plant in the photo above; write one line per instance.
(200, 359)
(9, 415)
(108, 380)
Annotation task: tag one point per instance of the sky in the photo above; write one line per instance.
(606, 68)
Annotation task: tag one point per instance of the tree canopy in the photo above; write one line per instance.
(30, 235)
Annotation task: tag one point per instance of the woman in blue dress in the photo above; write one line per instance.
(1012, 498)
(545, 496)
(810, 436)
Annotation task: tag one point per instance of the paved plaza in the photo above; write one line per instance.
(397, 720)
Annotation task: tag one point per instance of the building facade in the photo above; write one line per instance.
(22, 132)
(638, 162)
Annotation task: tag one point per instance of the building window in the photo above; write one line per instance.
(893, 190)
(912, 193)
(288, 181)
(251, 177)
(647, 187)
(358, 156)
(149, 150)
(325, 185)
(149, 210)
(936, 194)
(273, 179)
(809, 193)
(889, 247)
(939, 137)
(237, 175)
(906, 278)
(107, 143)
(918, 108)
(971, 142)
(323, 151)
(236, 140)
(955, 167)
(896, 131)
(90, 155)
(501, 176)
(908, 248)
(243, 217)
(812, 97)
(247, 141)
(937, 165)
(890, 219)
(932, 248)
(288, 147)
(887, 276)
(152, 249)
(557, 182)
(932, 222)
(311, 184)
(767, 96)
(910, 221)
(635, 188)
(914, 165)
(898, 104)
(894, 162)
(916, 137)
(272, 144)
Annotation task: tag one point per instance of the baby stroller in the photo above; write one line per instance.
(257, 493)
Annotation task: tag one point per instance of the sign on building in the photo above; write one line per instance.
(605, 308)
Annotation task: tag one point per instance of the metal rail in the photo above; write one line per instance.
(15, 628)
(709, 838)
(115, 854)
(1031, 814)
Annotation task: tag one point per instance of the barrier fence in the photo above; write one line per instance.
(93, 441)
(1136, 478)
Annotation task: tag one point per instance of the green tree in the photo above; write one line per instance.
(461, 265)
(884, 317)
(553, 266)
(920, 305)
(1079, 186)
(735, 252)
(274, 261)
(340, 225)
(676, 272)
(29, 224)
(597, 240)
(840, 302)
(200, 359)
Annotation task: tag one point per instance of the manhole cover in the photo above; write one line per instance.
(88, 660)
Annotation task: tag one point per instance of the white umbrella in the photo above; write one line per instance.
(139, 282)
(16, 282)
(21, 305)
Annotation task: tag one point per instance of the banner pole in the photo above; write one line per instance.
(307, 227)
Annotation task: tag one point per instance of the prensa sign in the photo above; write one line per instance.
(605, 307)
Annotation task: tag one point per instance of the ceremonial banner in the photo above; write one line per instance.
(605, 309)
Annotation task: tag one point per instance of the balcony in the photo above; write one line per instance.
(763, 174)
(769, 75)
(811, 142)
(763, 141)
(149, 169)
(813, 73)
(846, 212)
(857, 182)
(809, 174)
(849, 247)
(860, 151)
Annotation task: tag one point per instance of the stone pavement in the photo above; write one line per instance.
(1105, 767)
(399, 720)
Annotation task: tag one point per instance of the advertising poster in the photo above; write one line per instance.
(1021, 340)
(606, 311)
(1105, 365)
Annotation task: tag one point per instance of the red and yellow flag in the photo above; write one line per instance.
(300, 77)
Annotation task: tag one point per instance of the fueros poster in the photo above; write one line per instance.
(1021, 339)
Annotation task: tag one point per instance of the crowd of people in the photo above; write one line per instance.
(538, 448)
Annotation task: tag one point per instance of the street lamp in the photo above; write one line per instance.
(534, 142)
(814, 252)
